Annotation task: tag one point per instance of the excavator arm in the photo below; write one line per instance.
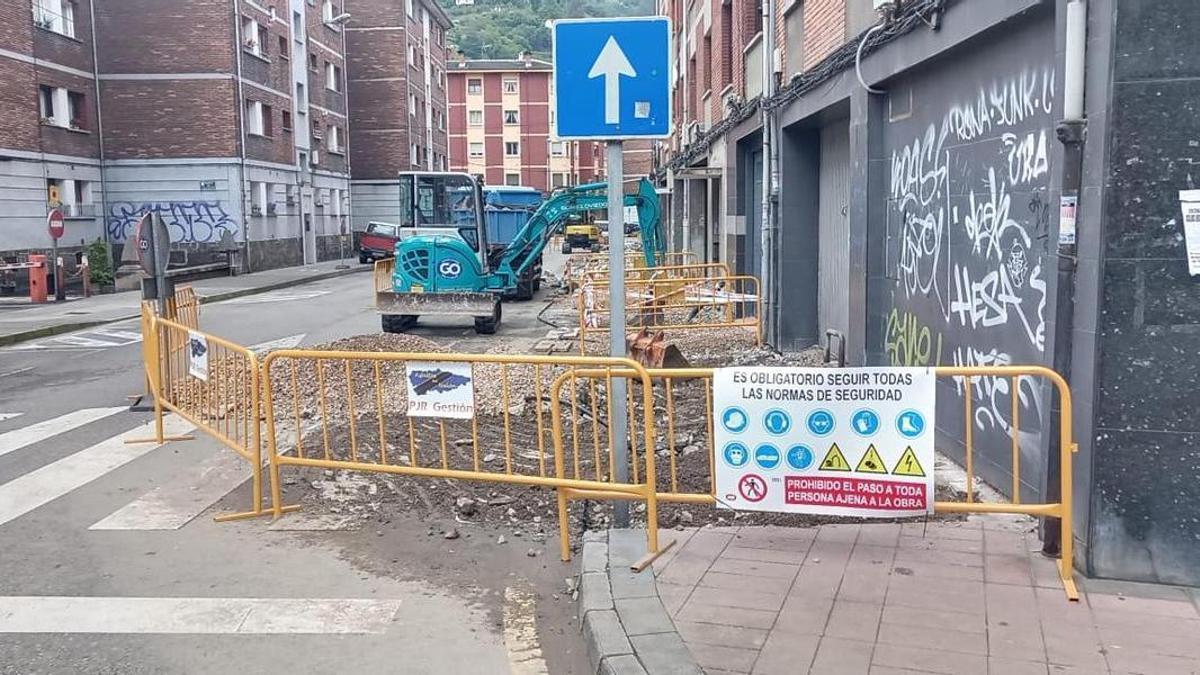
(529, 243)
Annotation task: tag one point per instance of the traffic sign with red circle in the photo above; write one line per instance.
(56, 224)
(752, 488)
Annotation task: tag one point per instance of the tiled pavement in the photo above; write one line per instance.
(885, 599)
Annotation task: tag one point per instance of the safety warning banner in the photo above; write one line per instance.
(847, 441)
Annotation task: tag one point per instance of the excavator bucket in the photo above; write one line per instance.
(653, 351)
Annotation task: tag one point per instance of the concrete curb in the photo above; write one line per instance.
(625, 626)
(59, 329)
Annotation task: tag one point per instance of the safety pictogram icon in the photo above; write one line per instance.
(908, 465)
(752, 488)
(871, 462)
(834, 460)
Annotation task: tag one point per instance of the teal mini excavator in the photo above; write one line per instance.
(456, 272)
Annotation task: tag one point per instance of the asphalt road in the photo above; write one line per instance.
(110, 561)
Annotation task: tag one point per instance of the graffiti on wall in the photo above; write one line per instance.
(969, 222)
(197, 222)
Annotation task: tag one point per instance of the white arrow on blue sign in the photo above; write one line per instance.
(612, 78)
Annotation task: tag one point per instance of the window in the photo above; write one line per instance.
(475, 118)
(57, 16)
(312, 62)
(474, 86)
(439, 120)
(254, 118)
(794, 22)
(54, 191)
(333, 77)
(439, 78)
(334, 143)
(46, 101)
(512, 148)
(415, 155)
(327, 11)
(75, 110)
(408, 5)
(267, 121)
(511, 117)
(298, 26)
(258, 198)
(559, 180)
(286, 122)
(511, 85)
(264, 37)
(557, 149)
(512, 179)
(61, 108)
(476, 150)
(301, 98)
(283, 47)
(412, 104)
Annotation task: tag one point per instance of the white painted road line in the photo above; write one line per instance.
(195, 616)
(19, 438)
(22, 495)
(175, 504)
(520, 632)
(9, 416)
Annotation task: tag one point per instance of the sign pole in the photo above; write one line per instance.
(616, 304)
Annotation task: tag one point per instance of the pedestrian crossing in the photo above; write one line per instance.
(88, 340)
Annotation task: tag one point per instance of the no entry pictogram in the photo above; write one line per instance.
(752, 488)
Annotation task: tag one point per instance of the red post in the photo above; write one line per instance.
(37, 278)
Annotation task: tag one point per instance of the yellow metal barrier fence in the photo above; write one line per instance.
(578, 265)
(708, 303)
(212, 383)
(532, 422)
(688, 272)
(693, 427)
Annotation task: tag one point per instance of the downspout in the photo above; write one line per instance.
(1072, 133)
(348, 215)
(770, 177)
(100, 131)
(240, 109)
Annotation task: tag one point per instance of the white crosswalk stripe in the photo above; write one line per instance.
(19, 438)
(100, 338)
(42, 486)
(195, 616)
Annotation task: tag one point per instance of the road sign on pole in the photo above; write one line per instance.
(56, 224)
(613, 83)
(613, 77)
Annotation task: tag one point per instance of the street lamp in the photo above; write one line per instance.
(339, 21)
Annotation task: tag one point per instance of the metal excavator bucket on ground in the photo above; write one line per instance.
(653, 351)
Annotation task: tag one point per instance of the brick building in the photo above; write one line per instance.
(398, 83)
(501, 122)
(49, 126)
(227, 119)
(916, 217)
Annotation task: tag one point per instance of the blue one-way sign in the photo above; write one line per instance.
(612, 78)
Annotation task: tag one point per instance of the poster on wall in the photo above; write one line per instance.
(198, 355)
(441, 389)
(845, 442)
(1190, 201)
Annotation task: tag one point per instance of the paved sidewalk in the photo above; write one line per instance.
(885, 599)
(20, 321)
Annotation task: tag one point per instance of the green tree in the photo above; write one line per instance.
(502, 29)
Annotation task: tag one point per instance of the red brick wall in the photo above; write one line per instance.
(379, 121)
(18, 86)
(824, 29)
(151, 36)
(162, 119)
(75, 53)
(58, 141)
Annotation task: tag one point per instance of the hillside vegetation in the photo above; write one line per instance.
(502, 29)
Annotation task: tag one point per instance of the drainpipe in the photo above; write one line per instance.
(770, 177)
(100, 133)
(1072, 133)
(240, 110)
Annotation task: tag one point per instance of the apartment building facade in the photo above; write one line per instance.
(230, 122)
(936, 206)
(501, 126)
(398, 98)
(49, 136)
